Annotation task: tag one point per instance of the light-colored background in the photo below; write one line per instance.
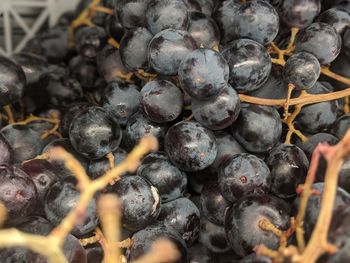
(20, 20)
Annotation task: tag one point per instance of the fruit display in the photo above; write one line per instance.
(184, 131)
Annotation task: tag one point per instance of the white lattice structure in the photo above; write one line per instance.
(26, 17)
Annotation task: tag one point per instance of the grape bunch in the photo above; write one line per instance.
(239, 95)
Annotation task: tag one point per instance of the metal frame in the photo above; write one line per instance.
(10, 13)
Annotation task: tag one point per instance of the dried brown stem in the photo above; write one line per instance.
(109, 208)
(88, 188)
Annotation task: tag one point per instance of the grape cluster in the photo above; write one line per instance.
(217, 82)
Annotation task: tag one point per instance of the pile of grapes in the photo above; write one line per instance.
(238, 94)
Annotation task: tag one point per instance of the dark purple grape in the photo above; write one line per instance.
(167, 178)
(114, 28)
(288, 165)
(213, 236)
(142, 242)
(208, 6)
(318, 117)
(257, 128)
(190, 146)
(340, 126)
(224, 16)
(93, 133)
(13, 81)
(257, 20)
(274, 87)
(227, 147)
(110, 65)
(249, 62)
(337, 18)
(84, 71)
(168, 48)
(139, 126)
(140, 202)
(217, 113)
(161, 101)
(164, 14)
(204, 30)
(25, 140)
(302, 70)
(43, 175)
(89, 40)
(121, 100)
(97, 168)
(132, 13)
(243, 174)
(182, 215)
(197, 179)
(17, 192)
(341, 203)
(134, 48)
(33, 65)
(242, 222)
(299, 13)
(61, 198)
(6, 151)
(94, 253)
(69, 115)
(203, 74)
(321, 40)
(212, 202)
(59, 166)
(199, 254)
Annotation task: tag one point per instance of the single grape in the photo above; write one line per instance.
(161, 101)
(89, 40)
(138, 126)
(12, 81)
(224, 16)
(217, 113)
(164, 14)
(299, 13)
(190, 146)
(337, 18)
(167, 178)
(242, 222)
(203, 74)
(318, 117)
(227, 147)
(131, 13)
(321, 40)
(33, 65)
(340, 126)
(168, 48)
(114, 28)
(69, 115)
(213, 236)
(140, 201)
(6, 151)
(257, 128)
(134, 48)
(257, 20)
(182, 215)
(94, 253)
(212, 202)
(17, 192)
(93, 133)
(302, 70)
(204, 30)
(85, 71)
(142, 242)
(121, 100)
(249, 63)
(243, 174)
(288, 165)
